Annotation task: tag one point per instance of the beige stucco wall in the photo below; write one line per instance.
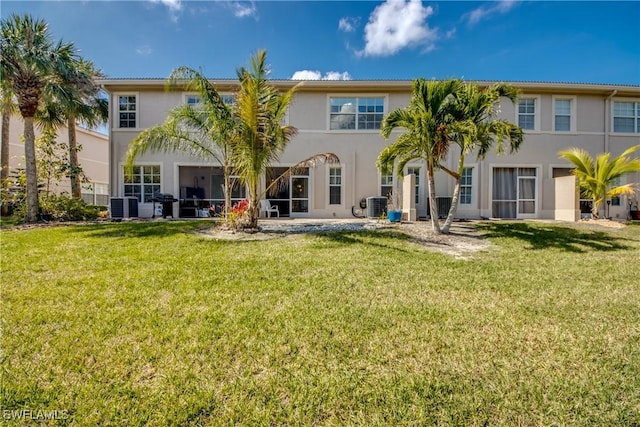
(358, 150)
(93, 157)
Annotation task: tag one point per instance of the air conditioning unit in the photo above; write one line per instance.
(376, 207)
(123, 207)
(444, 204)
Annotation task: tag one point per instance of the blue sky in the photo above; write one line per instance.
(590, 42)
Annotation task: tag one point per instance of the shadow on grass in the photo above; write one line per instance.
(541, 236)
(138, 229)
(384, 240)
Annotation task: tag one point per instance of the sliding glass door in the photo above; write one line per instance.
(514, 193)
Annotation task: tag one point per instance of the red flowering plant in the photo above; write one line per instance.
(239, 214)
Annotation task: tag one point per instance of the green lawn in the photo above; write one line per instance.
(150, 324)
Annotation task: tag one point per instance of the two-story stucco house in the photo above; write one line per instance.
(344, 117)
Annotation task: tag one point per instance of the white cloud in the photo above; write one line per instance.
(144, 50)
(174, 6)
(452, 32)
(244, 9)
(317, 75)
(348, 25)
(397, 24)
(483, 12)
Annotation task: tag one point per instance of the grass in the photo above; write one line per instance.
(149, 324)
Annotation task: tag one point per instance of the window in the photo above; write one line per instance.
(143, 182)
(386, 184)
(96, 194)
(335, 186)
(192, 100)
(416, 172)
(527, 113)
(626, 117)
(466, 181)
(127, 109)
(616, 182)
(356, 113)
(562, 118)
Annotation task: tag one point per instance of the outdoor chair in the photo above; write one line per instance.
(267, 208)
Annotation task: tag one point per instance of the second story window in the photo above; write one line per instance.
(192, 100)
(527, 113)
(127, 109)
(362, 113)
(626, 117)
(562, 114)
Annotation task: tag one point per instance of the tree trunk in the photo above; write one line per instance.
(31, 171)
(433, 207)
(4, 152)
(227, 192)
(74, 167)
(455, 200)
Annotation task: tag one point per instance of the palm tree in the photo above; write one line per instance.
(79, 99)
(8, 108)
(475, 127)
(205, 131)
(596, 176)
(30, 64)
(262, 137)
(426, 120)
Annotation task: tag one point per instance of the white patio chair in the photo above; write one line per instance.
(267, 208)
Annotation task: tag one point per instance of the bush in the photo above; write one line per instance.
(65, 208)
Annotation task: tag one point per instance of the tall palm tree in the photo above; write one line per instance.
(262, 137)
(30, 64)
(8, 107)
(596, 176)
(205, 131)
(425, 120)
(79, 99)
(476, 127)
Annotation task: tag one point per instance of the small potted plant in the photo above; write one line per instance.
(393, 213)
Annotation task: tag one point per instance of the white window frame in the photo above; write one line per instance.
(357, 97)
(538, 182)
(572, 113)
(536, 112)
(419, 177)
(330, 184)
(116, 103)
(636, 117)
(190, 94)
(141, 164)
(470, 186)
(383, 183)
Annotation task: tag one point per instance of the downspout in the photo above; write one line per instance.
(607, 119)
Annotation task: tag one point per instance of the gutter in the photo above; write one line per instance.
(607, 119)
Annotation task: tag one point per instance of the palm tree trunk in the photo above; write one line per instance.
(433, 207)
(227, 191)
(76, 191)
(31, 170)
(4, 153)
(455, 200)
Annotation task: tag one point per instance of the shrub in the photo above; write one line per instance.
(62, 207)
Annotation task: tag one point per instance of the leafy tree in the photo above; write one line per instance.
(425, 120)
(31, 63)
(475, 127)
(596, 176)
